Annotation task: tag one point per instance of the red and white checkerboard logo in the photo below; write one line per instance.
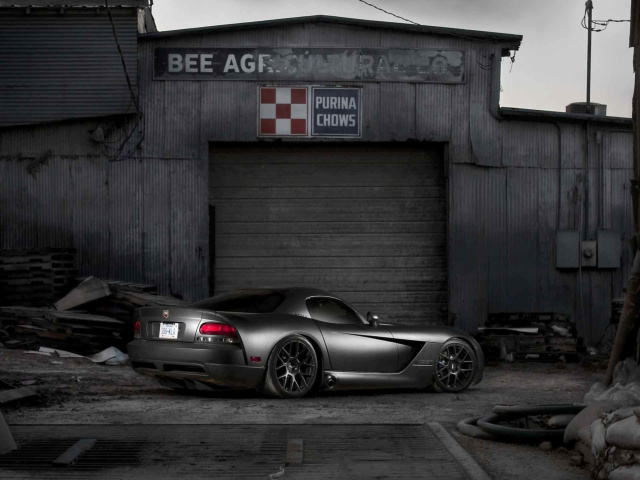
(283, 111)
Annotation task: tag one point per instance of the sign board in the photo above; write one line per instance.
(310, 64)
(312, 111)
(336, 112)
(283, 112)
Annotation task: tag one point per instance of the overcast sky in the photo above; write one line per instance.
(550, 68)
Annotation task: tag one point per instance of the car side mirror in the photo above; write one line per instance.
(372, 319)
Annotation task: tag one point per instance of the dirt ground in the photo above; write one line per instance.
(77, 391)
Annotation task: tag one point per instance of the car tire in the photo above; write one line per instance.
(292, 370)
(456, 366)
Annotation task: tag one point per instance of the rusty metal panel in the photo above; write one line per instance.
(396, 99)
(618, 149)
(189, 251)
(65, 65)
(182, 104)
(125, 222)
(529, 144)
(69, 138)
(467, 306)
(371, 125)
(485, 131)
(90, 210)
(460, 143)
(522, 247)
(493, 206)
(555, 288)
(622, 221)
(223, 101)
(433, 112)
(290, 35)
(156, 221)
(479, 263)
(572, 145)
(329, 34)
(152, 101)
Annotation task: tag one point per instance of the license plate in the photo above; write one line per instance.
(168, 330)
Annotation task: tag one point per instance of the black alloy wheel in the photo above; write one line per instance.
(293, 368)
(456, 366)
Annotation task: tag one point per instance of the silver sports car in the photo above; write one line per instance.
(291, 341)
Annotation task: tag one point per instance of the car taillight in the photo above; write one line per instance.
(218, 333)
(136, 329)
(218, 329)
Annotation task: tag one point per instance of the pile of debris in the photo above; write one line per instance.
(94, 315)
(530, 336)
(35, 277)
(606, 434)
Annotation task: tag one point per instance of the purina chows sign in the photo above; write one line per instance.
(310, 64)
(309, 111)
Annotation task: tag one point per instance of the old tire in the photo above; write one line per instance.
(456, 366)
(292, 369)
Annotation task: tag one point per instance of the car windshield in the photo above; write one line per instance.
(244, 301)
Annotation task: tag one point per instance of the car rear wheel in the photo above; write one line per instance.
(292, 369)
(456, 366)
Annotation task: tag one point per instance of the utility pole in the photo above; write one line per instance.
(628, 322)
(589, 5)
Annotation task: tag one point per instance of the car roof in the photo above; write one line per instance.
(295, 297)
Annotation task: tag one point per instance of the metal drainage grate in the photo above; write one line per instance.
(233, 451)
(39, 454)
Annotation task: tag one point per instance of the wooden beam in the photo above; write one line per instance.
(75, 452)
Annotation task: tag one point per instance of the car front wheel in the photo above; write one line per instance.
(456, 366)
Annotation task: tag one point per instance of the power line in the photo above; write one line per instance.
(598, 25)
(388, 13)
(118, 156)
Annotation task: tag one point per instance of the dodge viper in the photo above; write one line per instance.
(289, 342)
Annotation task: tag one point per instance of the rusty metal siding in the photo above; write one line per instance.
(485, 131)
(65, 65)
(529, 144)
(511, 184)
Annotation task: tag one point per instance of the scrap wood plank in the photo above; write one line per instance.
(75, 452)
(90, 289)
(295, 452)
(14, 394)
(145, 299)
(69, 317)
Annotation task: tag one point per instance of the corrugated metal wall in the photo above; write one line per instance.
(65, 64)
(511, 184)
(504, 221)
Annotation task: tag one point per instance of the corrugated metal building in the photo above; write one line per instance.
(445, 207)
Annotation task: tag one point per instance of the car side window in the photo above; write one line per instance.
(330, 310)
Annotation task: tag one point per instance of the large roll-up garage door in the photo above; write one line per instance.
(366, 222)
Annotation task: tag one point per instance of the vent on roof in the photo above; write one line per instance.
(581, 107)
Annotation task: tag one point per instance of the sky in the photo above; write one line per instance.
(549, 70)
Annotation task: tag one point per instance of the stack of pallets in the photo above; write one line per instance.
(77, 331)
(546, 336)
(35, 277)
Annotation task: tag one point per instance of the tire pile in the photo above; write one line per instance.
(522, 424)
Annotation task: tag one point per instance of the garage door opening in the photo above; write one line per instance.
(367, 222)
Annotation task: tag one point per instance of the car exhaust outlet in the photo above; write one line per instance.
(331, 382)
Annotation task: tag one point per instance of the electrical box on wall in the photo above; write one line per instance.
(588, 252)
(567, 249)
(608, 249)
(571, 252)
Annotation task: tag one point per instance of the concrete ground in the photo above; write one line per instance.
(77, 391)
